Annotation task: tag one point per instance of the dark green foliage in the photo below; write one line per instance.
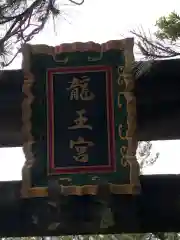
(168, 27)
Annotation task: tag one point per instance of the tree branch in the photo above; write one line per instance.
(24, 23)
(154, 49)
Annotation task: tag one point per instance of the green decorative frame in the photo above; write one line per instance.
(125, 80)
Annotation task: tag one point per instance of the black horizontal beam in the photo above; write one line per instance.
(158, 104)
(156, 209)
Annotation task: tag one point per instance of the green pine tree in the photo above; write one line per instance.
(164, 43)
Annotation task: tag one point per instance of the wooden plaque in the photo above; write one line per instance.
(79, 118)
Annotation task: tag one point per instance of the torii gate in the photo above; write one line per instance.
(158, 116)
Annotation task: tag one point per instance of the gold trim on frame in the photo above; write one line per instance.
(129, 159)
(26, 121)
(82, 190)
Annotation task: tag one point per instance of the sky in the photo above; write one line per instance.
(100, 21)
